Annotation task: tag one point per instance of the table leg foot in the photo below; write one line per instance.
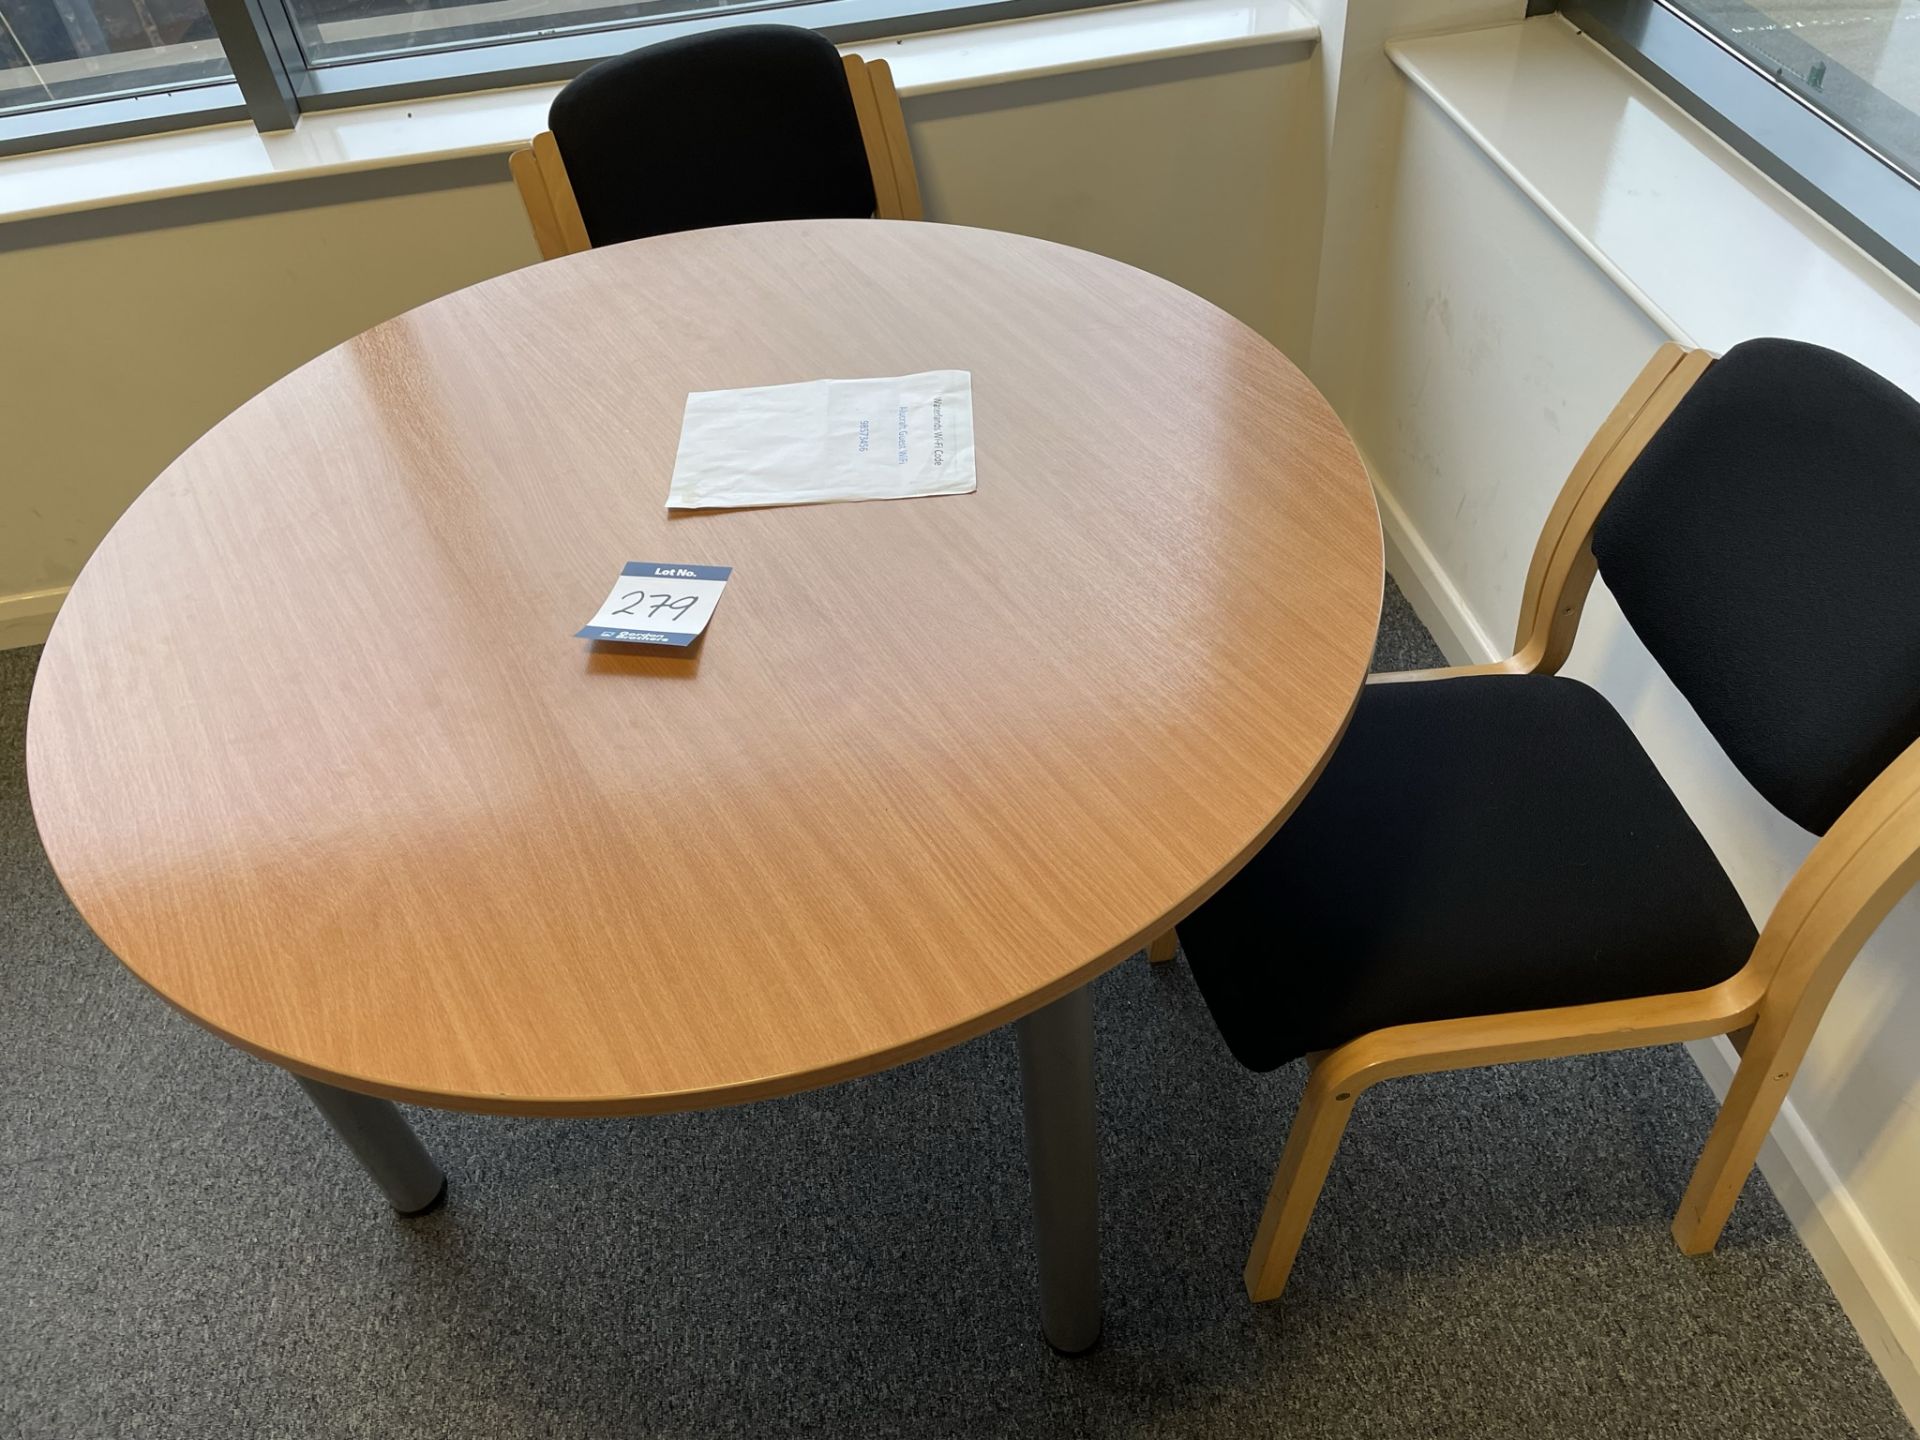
(1056, 1081)
(384, 1144)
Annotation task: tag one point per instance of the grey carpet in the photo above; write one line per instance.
(184, 1251)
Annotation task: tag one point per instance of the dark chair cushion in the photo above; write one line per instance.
(720, 128)
(1763, 548)
(1476, 846)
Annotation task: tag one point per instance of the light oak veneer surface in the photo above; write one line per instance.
(314, 752)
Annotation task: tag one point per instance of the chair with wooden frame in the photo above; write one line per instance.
(1756, 518)
(725, 127)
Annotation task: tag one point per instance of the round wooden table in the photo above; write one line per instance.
(313, 750)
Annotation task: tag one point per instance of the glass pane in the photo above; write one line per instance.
(1856, 60)
(335, 30)
(56, 52)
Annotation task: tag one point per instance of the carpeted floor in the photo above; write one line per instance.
(184, 1250)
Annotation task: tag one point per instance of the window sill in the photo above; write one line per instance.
(232, 156)
(1708, 247)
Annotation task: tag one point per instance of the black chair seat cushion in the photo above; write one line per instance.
(1476, 846)
(725, 127)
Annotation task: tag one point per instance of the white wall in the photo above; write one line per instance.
(121, 347)
(1493, 347)
(1361, 99)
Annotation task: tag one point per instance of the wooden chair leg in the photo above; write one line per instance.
(1312, 1143)
(1164, 948)
(1767, 1065)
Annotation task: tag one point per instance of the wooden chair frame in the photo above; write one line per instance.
(1855, 874)
(554, 212)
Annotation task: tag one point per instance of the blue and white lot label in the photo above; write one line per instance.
(658, 604)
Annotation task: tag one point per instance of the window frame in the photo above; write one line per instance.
(1864, 195)
(120, 117)
(272, 85)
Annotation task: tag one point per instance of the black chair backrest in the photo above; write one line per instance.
(719, 128)
(1765, 546)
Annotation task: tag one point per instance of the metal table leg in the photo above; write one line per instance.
(384, 1144)
(1056, 1081)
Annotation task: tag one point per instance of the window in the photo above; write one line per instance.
(73, 71)
(1823, 95)
(1857, 61)
(332, 31)
(59, 52)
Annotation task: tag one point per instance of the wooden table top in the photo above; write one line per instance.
(313, 750)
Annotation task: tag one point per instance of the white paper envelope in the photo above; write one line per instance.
(882, 439)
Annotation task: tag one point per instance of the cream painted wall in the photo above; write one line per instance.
(1205, 170)
(122, 348)
(1361, 98)
(1495, 349)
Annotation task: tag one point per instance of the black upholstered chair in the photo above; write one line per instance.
(725, 127)
(1491, 869)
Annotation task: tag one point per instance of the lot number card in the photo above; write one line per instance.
(657, 604)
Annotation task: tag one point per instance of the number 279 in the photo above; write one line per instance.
(679, 605)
